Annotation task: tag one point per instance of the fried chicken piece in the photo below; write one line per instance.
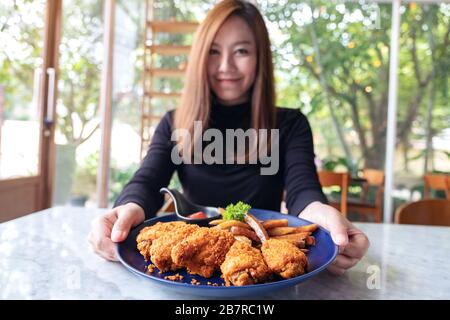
(203, 251)
(284, 258)
(244, 265)
(147, 235)
(160, 251)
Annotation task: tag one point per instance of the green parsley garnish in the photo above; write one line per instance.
(236, 211)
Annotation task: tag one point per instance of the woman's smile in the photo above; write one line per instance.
(228, 82)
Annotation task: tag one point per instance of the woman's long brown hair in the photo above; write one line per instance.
(195, 103)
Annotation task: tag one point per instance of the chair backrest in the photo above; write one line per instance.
(374, 177)
(436, 182)
(434, 212)
(330, 179)
(168, 206)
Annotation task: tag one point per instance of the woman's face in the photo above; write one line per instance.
(232, 62)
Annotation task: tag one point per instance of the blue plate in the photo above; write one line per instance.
(319, 257)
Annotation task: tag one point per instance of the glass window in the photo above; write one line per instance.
(21, 38)
(77, 134)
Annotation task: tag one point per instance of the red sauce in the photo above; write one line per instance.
(198, 215)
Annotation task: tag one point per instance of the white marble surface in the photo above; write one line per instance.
(46, 256)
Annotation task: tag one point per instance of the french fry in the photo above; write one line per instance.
(299, 235)
(299, 243)
(308, 228)
(232, 223)
(279, 231)
(216, 222)
(303, 234)
(238, 231)
(221, 210)
(270, 224)
(310, 241)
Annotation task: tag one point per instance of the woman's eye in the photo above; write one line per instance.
(242, 51)
(213, 51)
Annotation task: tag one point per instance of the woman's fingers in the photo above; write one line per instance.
(112, 227)
(128, 216)
(329, 218)
(100, 236)
(337, 226)
(353, 243)
(344, 262)
(107, 249)
(352, 253)
(336, 270)
(357, 246)
(123, 225)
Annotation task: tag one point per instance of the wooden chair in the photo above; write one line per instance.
(330, 179)
(168, 205)
(435, 212)
(373, 178)
(436, 182)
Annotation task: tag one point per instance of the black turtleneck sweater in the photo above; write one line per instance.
(222, 184)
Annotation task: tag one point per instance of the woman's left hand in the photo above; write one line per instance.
(352, 242)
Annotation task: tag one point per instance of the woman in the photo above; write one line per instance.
(230, 85)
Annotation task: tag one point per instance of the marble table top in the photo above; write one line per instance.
(46, 255)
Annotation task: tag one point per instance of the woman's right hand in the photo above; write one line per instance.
(113, 227)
